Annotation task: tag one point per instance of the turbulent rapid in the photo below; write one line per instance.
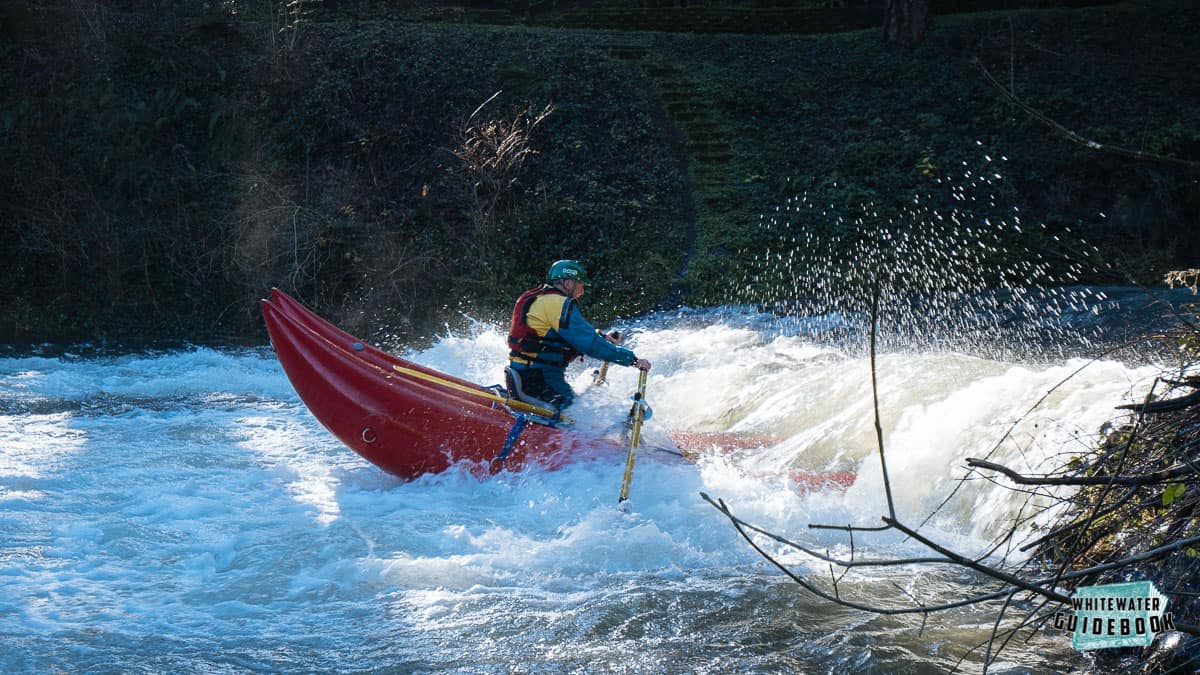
(181, 510)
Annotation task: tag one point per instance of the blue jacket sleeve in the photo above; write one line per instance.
(583, 336)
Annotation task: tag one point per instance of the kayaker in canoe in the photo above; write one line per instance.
(548, 331)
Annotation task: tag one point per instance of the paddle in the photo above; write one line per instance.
(601, 375)
(636, 415)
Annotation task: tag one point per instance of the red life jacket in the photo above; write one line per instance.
(524, 340)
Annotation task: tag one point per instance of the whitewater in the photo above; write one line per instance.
(180, 510)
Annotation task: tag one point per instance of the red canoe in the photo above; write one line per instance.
(410, 420)
(406, 419)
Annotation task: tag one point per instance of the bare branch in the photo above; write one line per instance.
(1071, 135)
(850, 528)
(887, 484)
(964, 561)
(1164, 476)
(1076, 523)
(738, 525)
(883, 562)
(1168, 405)
(1145, 556)
(987, 655)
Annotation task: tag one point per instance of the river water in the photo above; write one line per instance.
(180, 510)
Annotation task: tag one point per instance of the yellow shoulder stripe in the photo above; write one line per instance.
(545, 313)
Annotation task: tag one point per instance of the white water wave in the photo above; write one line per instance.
(187, 503)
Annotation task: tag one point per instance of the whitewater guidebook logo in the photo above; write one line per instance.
(1115, 615)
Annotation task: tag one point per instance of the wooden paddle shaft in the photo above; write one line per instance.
(635, 435)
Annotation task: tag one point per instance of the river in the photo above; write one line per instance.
(180, 510)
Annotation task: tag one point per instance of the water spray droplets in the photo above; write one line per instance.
(953, 265)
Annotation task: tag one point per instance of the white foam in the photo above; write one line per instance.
(193, 372)
(33, 446)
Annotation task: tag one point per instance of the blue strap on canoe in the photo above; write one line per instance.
(511, 440)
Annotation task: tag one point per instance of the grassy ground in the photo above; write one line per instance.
(162, 171)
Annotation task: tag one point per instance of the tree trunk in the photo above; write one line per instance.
(904, 22)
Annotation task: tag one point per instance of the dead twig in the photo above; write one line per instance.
(1071, 135)
(1163, 476)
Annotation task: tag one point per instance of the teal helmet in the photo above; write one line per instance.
(567, 269)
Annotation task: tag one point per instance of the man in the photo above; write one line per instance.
(547, 332)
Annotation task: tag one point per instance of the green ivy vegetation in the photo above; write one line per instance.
(160, 170)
